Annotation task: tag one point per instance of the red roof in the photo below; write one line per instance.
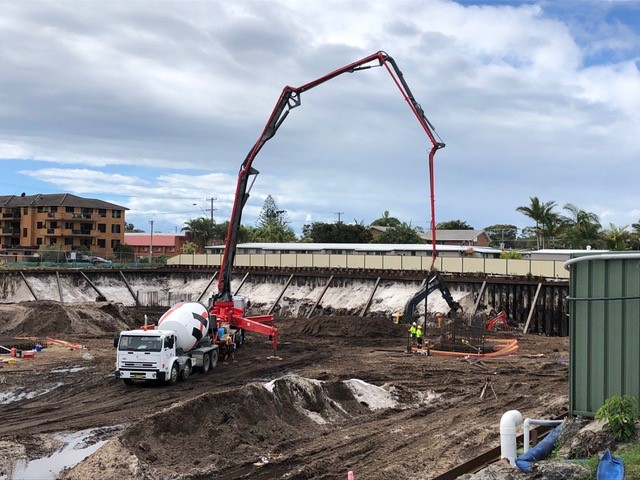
(159, 239)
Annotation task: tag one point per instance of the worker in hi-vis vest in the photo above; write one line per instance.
(412, 332)
(419, 336)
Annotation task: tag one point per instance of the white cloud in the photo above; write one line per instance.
(529, 102)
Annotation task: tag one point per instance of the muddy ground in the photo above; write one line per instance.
(344, 396)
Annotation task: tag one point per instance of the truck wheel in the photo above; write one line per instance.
(186, 371)
(206, 362)
(173, 376)
(214, 358)
(127, 381)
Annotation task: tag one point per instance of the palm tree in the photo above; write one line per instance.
(635, 236)
(274, 232)
(552, 226)
(386, 221)
(583, 228)
(617, 238)
(540, 213)
(201, 230)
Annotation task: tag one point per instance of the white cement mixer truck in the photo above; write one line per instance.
(185, 339)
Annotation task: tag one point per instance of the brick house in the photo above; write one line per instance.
(161, 243)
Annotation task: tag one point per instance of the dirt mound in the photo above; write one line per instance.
(247, 424)
(364, 327)
(50, 318)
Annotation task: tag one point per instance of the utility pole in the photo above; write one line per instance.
(212, 199)
(151, 243)
(338, 224)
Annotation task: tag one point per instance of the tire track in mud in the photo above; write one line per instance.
(95, 398)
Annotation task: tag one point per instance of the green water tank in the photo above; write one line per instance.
(604, 329)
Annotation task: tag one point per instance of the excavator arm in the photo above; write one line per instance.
(435, 283)
(289, 99)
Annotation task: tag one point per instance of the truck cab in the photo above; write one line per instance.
(147, 354)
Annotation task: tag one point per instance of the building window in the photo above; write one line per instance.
(25, 232)
(102, 227)
(68, 241)
(54, 224)
(39, 225)
(115, 228)
(116, 213)
(53, 241)
(102, 212)
(102, 243)
(53, 209)
(39, 241)
(144, 249)
(87, 242)
(171, 249)
(40, 209)
(115, 243)
(157, 249)
(69, 209)
(25, 210)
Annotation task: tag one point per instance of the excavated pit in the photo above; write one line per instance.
(345, 396)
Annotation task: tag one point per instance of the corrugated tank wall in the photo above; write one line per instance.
(604, 330)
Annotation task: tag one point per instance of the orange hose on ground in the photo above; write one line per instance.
(509, 347)
(63, 343)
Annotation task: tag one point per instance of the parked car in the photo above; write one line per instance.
(99, 261)
(84, 258)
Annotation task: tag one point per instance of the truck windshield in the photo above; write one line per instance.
(140, 343)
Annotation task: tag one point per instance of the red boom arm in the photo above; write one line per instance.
(290, 98)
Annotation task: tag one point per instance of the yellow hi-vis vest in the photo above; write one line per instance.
(412, 331)
(419, 333)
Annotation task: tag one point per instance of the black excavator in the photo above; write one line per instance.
(436, 282)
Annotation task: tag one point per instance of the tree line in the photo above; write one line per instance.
(569, 227)
(575, 228)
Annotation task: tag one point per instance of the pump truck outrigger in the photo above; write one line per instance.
(225, 309)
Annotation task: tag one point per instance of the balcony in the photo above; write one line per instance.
(81, 232)
(74, 217)
(11, 215)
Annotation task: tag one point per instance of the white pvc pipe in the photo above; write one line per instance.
(530, 421)
(508, 426)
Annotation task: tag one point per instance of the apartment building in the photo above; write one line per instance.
(29, 222)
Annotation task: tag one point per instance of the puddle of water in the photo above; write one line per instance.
(21, 394)
(73, 369)
(74, 451)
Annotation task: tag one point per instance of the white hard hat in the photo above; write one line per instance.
(414, 324)
(419, 326)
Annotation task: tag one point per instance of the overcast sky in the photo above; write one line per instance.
(154, 105)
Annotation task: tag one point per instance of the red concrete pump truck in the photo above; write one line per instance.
(223, 307)
(186, 336)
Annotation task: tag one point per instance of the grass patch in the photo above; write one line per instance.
(631, 457)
